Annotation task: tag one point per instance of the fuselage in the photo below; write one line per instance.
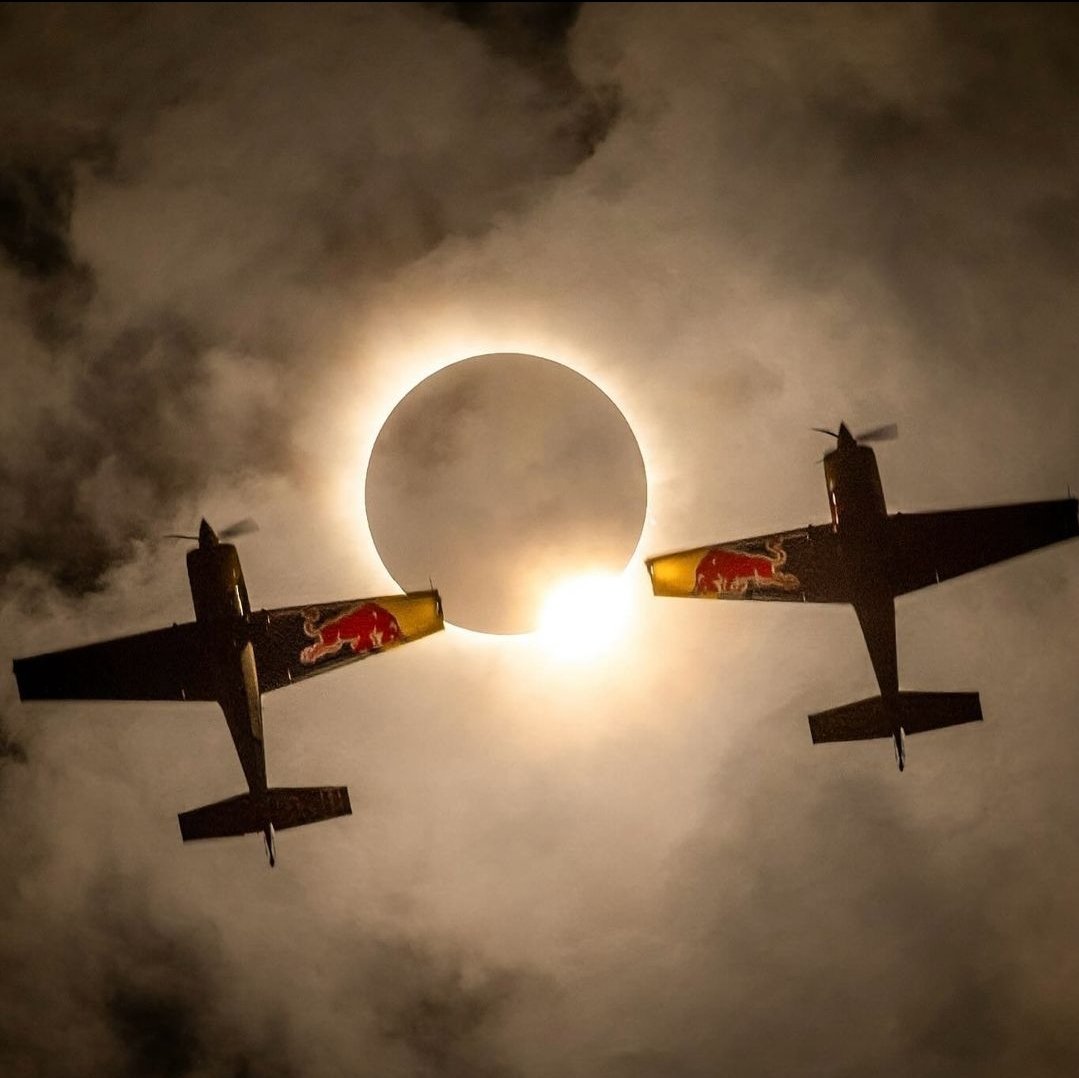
(855, 494)
(222, 610)
(859, 515)
(859, 519)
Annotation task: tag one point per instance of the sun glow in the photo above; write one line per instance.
(584, 617)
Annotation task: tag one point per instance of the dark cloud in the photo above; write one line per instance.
(167, 1000)
(10, 749)
(127, 997)
(157, 1031)
(257, 206)
(35, 218)
(536, 35)
(162, 441)
(36, 202)
(444, 1015)
(530, 32)
(145, 994)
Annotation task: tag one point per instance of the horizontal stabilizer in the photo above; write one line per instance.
(282, 807)
(921, 711)
(852, 722)
(915, 712)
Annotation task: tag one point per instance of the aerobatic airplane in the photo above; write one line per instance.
(232, 654)
(866, 558)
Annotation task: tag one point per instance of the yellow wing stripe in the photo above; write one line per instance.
(418, 615)
(676, 574)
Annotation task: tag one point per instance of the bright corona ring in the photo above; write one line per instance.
(498, 478)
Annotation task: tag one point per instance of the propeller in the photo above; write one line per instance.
(241, 527)
(888, 433)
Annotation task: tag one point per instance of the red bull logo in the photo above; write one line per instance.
(732, 570)
(363, 628)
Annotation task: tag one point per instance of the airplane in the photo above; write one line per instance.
(867, 558)
(232, 655)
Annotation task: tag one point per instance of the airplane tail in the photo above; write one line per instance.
(275, 810)
(913, 712)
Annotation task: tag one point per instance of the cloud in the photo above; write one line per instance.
(11, 751)
(35, 216)
(211, 241)
(220, 230)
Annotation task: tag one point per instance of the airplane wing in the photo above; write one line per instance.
(166, 664)
(930, 547)
(297, 642)
(801, 566)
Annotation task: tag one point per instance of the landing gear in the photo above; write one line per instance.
(900, 748)
(271, 852)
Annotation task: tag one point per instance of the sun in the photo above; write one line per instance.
(584, 617)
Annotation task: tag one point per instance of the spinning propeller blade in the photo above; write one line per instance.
(888, 433)
(241, 527)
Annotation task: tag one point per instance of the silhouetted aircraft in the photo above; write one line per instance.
(232, 654)
(866, 558)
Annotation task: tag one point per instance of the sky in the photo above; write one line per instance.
(232, 238)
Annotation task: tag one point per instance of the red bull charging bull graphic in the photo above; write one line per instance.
(732, 570)
(366, 627)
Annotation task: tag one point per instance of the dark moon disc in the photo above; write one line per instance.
(496, 478)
